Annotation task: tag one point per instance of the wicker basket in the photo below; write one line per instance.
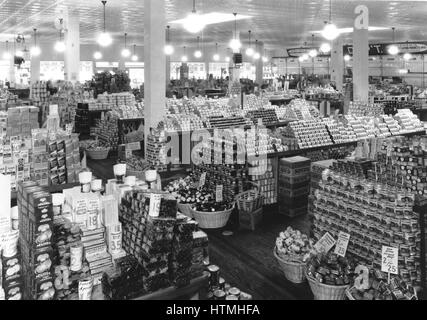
(323, 291)
(211, 220)
(249, 201)
(348, 294)
(294, 271)
(185, 209)
(98, 154)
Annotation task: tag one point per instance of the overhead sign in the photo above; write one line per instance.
(381, 49)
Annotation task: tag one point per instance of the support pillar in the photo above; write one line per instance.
(35, 69)
(155, 63)
(72, 52)
(337, 63)
(361, 54)
(12, 75)
(259, 65)
(168, 69)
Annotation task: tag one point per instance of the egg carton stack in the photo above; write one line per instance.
(36, 229)
(408, 121)
(261, 172)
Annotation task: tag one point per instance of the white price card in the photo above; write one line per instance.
(202, 180)
(325, 243)
(342, 244)
(155, 199)
(389, 260)
(218, 193)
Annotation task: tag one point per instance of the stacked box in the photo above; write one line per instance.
(21, 120)
(262, 174)
(36, 227)
(12, 277)
(294, 185)
(200, 253)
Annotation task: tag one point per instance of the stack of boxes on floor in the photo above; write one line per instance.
(40, 98)
(294, 186)
(36, 228)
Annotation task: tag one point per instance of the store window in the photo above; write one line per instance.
(248, 71)
(196, 70)
(51, 70)
(219, 69)
(106, 65)
(4, 70)
(86, 71)
(22, 74)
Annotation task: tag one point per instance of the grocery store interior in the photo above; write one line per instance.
(213, 150)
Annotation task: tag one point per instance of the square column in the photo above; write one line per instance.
(72, 52)
(259, 64)
(361, 54)
(337, 63)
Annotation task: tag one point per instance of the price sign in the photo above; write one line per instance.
(389, 260)
(133, 146)
(218, 193)
(202, 180)
(155, 199)
(325, 243)
(342, 244)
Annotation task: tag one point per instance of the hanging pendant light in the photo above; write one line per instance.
(194, 23)
(325, 47)
(105, 39)
(184, 58)
(6, 54)
(393, 49)
(407, 56)
(313, 52)
(347, 58)
(264, 57)
(330, 31)
(256, 54)
(60, 45)
(126, 51)
(35, 50)
(169, 50)
(235, 43)
(97, 55)
(216, 55)
(134, 56)
(249, 51)
(198, 53)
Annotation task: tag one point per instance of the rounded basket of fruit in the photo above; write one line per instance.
(329, 276)
(96, 150)
(292, 251)
(136, 166)
(211, 214)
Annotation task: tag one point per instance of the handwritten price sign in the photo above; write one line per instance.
(155, 199)
(342, 244)
(389, 260)
(325, 243)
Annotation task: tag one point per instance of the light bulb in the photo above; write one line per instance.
(60, 46)
(184, 58)
(407, 56)
(264, 59)
(250, 52)
(19, 53)
(194, 23)
(330, 32)
(105, 39)
(312, 53)
(227, 59)
(235, 45)
(325, 47)
(305, 57)
(257, 56)
(97, 55)
(126, 53)
(347, 57)
(134, 58)
(216, 57)
(169, 50)
(198, 54)
(301, 59)
(6, 56)
(35, 51)
(393, 50)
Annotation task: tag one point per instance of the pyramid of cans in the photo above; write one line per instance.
(169, 247)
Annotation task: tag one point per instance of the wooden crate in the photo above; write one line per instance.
(249, 221)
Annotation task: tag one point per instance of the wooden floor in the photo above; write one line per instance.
(246, 258)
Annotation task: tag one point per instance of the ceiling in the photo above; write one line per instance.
(278, 23)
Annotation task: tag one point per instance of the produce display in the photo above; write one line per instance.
(293, 245)
(363, 109)
(331, 269)
(306, 134)
(187, 191)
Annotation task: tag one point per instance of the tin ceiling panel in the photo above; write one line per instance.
(278, 23)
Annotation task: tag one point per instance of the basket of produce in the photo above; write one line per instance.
(373, 285)
(329, 276)
(292, 251)
(250, 200)
(95, 149)
(188, 193)
(212, 215)
(136, 166)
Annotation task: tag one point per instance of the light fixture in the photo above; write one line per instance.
(330, 31)
(235, 43)
(264, 59)
(249, 51)
(305, 57)
(347, 57)
(407, 56)
(313, 52)
(6, 54)
(325, 48)
(105, 39)
(393, 49)
(184, 58)
(134, 56)
(35, 50)
(256, 54)
(198, 53)
(169, 50)
(301, 58)
(126, 51)
(60, 45)
(403, 71)
(194, 23)
(227, 59)
(97, 55)
(216, 55)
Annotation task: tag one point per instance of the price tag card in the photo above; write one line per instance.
(342, 244)
(218, 193)
(325, 243)
(155, 199)
(133, 146)
(389, 260)
(202, 180)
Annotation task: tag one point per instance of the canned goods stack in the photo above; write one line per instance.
(262, 173)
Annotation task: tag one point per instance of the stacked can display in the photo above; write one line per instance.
(294, 185)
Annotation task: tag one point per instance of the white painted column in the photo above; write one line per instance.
(168, 69)
(35, 69)
(361, 54)
(259, 65)
(337, 63)
(12, 75)
(155, 63)
(72, 51)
